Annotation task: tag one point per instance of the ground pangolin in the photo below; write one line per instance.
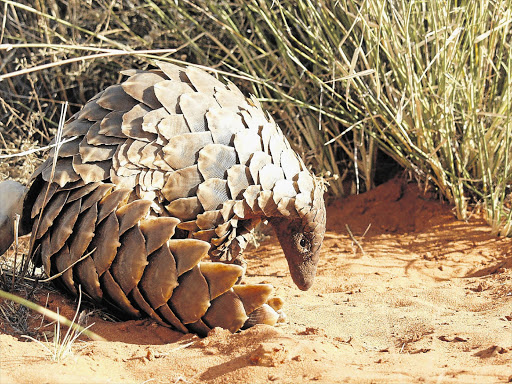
(154, 174)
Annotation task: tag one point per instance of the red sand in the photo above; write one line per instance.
(425, 298)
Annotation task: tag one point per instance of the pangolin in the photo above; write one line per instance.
(152, 175)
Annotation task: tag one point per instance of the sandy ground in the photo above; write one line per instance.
(422, 298)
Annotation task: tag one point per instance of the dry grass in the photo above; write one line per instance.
(429, 84)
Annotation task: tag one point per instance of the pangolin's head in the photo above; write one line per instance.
(11, 203)
(301, 239)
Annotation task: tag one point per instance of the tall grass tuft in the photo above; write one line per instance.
(440, 98)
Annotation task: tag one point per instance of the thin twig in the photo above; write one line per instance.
(366, 231)
(116, 52)
(183, 346)
(320, 107)
(34, 150)
(53, 277)
(16, 227)
(355, 240)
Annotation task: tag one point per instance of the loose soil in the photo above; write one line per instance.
(421, 297)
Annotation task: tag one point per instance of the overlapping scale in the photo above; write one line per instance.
(239, 179)
(141, 87)
(212, 193)
(114, 98)
(227, 311)
(203, 82)
(111, 125)
(172, 71)
(224, 124)
(269, 175)
(194, 107)
(63, 173)
(160, 277)
(132, 123)
(67, 148)
(182, 183)
(93, 111)
(152, 118)
(246, 143)
(93, 171)
(76, 128)
(94, 137)
(183, 150)
(131, 259)
(191, 298)
(215, 160)
(220, 277)
(186, 208)
(91, 153)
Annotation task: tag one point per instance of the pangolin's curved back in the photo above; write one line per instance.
(154, 174)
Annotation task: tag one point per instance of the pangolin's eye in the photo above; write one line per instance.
(303, 242)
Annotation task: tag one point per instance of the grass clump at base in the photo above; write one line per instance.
(442, 96)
